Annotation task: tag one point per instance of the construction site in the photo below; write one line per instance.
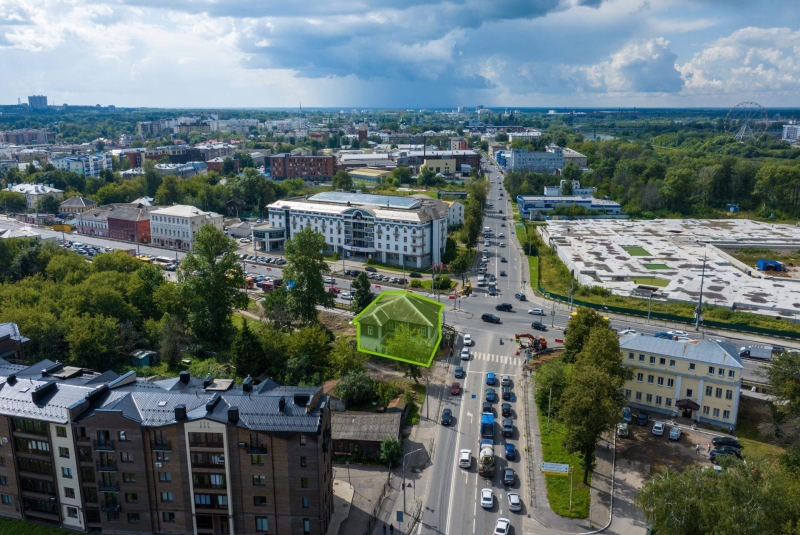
(739, 263)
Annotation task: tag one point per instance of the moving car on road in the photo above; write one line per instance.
(511, 453)
(465, 458)
(487, 498)
(468, 341)
(509, 476)
(508, 427)
(539, 326)
(455, 388)
(505, 409)
(501, 527)
(536, 312)
(459, 372)
(520, 296)
(514, 503)
(464, 353)
(487, 408)
(447, 417)
(503, 274)
(504, 307)
(490, 318)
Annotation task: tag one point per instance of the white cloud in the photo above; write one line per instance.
(639, 67)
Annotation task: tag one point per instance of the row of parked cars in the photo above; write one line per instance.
(262, 259)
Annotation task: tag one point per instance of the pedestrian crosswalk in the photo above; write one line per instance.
(500, 359)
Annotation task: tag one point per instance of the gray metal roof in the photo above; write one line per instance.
(12, 330)
(16, 400)
(702, 351)
(366, 426)
(390, 201)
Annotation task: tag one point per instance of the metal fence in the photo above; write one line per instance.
(374, 515)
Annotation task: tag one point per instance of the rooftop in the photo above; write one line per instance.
(701, 351)
(357, 199)
(365, 426)
(183, 210)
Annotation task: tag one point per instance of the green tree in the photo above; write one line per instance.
(571, 172)
(173, 338)
(501, 137)
(252, 188)
(11, 201)
(590, 406)
(228, 167)
(344, 358)
(410, 345)
(391, 451)
(168, 192)
(245, 160)
(303, 273)
(550, 383)
(342, 180)
(601, 350)
(460, 265)
(402, 174)
(152, 178)
(356, 388)
(277, 309)
(308, 349)
(47, 205)
(579, 329)
(70, 267)
(427, 178)
(118, 261)
(450, 250)
(92, 341)
(245, 349)
(211, 282)
(362, 293)
(678, 189)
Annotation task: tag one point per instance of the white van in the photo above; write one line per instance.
(481, 281)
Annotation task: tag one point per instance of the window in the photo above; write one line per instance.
(305, 503)
(691, 366)
(726, 415)
(650, 379)
(122, 435)
(5, 499)
(638, 396)
(3, 480)
(640, 377)
(128, 477)
(66, 472)
(718, 393)
(259, 480)
(304, 482)
(716, 413)
(306, 525)
(709, 390)
(133, 517)
(662, 361)
(257, 459)
(721, 372)
(729, 394)
(69, 492)
(731, 374)
(166, 496)
(670, 383)
(131, 497)
(369, 330)
(113, 516)
(660, 381)
(652, 360)
(689, 392)
(630, 356)
(668, 402)
(165, 477)
(222, 499)
(302, 440)
(705, 410)
(262, 523)
(61, 431)
(259, 501)
(72, 512)
(162, 456)
(125, 457)
(641, 358)
(202, 499)
(168, 517)
(711, 370)
(628, 394)
(658, 400)
(671, 363)
(303, 462)
(649, 398)
(63, 452)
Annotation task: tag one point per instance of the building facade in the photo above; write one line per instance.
(532, 205)
(93, 222)
(392, 229)
(27, 136)
(175, 227)
(37, 102)
(791, 132)
(34, 192)
(283, 166)
(129, 223)
(539, 162)
(76, 205)
(458, 143)
(573, 156)
(698, 380)
(89, 166)
(110, 453)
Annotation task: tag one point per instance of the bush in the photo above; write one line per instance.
(442, 282)
(369, 261)
(416, 283)
(336, 256)
(391, 451)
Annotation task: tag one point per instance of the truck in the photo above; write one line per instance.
(487, 425)
(486, 458)
(763, 352)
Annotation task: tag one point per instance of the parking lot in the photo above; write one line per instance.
(641, 446)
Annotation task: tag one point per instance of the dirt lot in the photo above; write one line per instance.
(642, 446)
(338, 323)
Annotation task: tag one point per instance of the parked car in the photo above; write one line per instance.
(622, 430)
(464, 458)
(509, 476)
(506, 393)
(490, 318)
(501, 527)
(520, 297)
(504, 307)
(627, 415)
(370, 269)
(627, 331)
(459, 372)
(505, 380)
(643, 417)
(658, 428)
(514, 503)
(490, 394)
(328, 280)
(674, 433)
(536, 312)
(492, 291)
(447, 417)
(468, 341)
(508, 427)
(539, 326)
(491, 378)
(505, 409)
(346, 296)
(724, 452)
(726, 441)
(511, 453)
(487, 498)
(487, 407)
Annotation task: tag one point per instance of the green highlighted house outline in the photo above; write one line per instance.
(396, 306)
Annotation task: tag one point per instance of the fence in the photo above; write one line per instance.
(374, 516)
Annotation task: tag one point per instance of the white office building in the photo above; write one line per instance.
(791, 132)
(539, 162)
(391, 229)
(176, 226)
(89, 166)
(34, 192)
(555, 191)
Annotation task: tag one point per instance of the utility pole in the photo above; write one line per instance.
(404, 476)
(700, 301)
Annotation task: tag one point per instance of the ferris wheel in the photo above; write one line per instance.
(746, 121)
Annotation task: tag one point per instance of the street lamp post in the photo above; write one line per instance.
(700, 301)
(404, 475)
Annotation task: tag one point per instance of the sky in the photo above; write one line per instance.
(401, 54)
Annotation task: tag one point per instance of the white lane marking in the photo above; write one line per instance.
(458, 448)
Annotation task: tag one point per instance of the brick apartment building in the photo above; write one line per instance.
(284, 166)
(130, 223)
(92, 452)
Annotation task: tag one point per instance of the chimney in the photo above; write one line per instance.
(247, 384)
(207, 381)
(282, 404)
(233, 414)
(180, 412)
(185, 376)
(12, 379)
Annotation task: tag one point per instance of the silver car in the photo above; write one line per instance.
(514, 502)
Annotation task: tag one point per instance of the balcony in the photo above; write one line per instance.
(111, 506)
(103, 445)
(107, 486)
(257, 448)
(206, 444)
(210, 506)
(161, 445)
(107, 466)
(83, 439)
(211, 486)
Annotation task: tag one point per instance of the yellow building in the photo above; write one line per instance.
(698, 379)
(367, 174)
(445, 166)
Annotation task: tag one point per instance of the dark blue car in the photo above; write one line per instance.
(510, 452)
(490, 379)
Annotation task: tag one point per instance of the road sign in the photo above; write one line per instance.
(557, 469)
(400, 517)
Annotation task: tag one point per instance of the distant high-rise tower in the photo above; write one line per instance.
(37, 101)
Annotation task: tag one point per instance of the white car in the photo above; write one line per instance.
(464, 353)
(328, 280)
(501, 527)
(677, 333)
(468, 340)
(346, 296)
(658, 428)
(514, 503)
(501, 235)
(675, 433)
(465, 459)
(505, 380)
(536, 312)
(487, 498)
(627, 331)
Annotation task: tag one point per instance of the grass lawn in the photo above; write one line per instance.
(426, 283)
(15, 527)
(391, 267)
(635, 250)
(651, 281)
(751, 256)
(753, 412)
(656, 266)
(558, 486)
(533, 264)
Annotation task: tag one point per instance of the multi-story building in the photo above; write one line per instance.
(791, 132)
(529, 135)
(455, 213)
(555, 191)
(117, 454)
(34, 192)
(27, 136)
(534, 204)
(217, 164)
(129, 222)
(284, 166)
(549, 161)
(212, 150)
(458, 143)
(175, 226)
(89, 166)
(37, 102)
(76, 205)
(698, 379)
(12, 343)
(392, 229)
(573, 156)
(443, 166)
(418, 157)
(93, 222)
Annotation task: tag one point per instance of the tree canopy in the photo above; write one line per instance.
(303, 274)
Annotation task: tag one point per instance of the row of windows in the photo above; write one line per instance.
(667, 402)
(659, 380)
(663, 362)
(710, 390)
(169, 232)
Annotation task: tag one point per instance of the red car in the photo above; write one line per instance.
(455, 389)
(334, 290)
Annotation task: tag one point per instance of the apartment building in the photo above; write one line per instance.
(89, 166)
(540, 162)
(123, 455)
(458, 143)
(699, 380)
(34, 192)
(393, 229)
(129, 223)
(175, 226)
(416, 158)
(27, 136)
(283, 166)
